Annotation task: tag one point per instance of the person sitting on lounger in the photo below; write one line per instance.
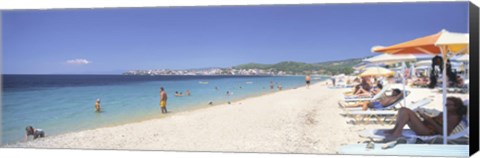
(363, 88)
(380, 103)
(375, 90)
(429, 125)
(459, 82)
(421, 82)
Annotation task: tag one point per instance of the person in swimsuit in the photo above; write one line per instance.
(380, 103)
(333, 81)
(163, 100)
(307, 80)
(363, 88)
(97, 106)
(36, 133)
(429, 125)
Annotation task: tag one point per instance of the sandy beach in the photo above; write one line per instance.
(291, 121)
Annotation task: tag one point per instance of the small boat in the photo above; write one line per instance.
(248, 82)
(203, 82)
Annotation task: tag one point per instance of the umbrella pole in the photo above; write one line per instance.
(444, 94)
(403, 83)
(467, 70)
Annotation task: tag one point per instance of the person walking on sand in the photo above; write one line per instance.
(163, 100)
(307, 80)
(333, 81)
(97, 106)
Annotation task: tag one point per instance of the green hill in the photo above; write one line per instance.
(291, 67)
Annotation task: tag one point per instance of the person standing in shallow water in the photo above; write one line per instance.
(307, 80)
(163, 100)
(97, 106)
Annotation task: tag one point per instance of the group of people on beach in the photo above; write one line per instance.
(418, 120)
(370, 86)
(431, 81)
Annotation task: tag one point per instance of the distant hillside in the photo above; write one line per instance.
(291, 67)
(282, 68)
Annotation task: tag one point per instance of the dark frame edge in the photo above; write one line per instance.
(474, 75)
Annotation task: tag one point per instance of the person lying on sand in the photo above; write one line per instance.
(36, 133)
(429, 125)
(382, 102)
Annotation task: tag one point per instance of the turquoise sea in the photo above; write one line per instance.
(65, 103)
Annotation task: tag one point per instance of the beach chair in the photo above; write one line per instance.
(376, 96)
(373, 99)
(439, 150)
(386, 114)
(460, 131)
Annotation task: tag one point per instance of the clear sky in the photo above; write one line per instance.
(111, 41)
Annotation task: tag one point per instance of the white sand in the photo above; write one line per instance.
(290, 121)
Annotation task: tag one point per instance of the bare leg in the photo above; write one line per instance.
(365, 105)
(361, 104)
(407, 116)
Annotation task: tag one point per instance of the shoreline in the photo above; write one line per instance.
(267, 123)
(301, 120)
(190, 109)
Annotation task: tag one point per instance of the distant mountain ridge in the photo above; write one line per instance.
(292, 67)
(281, 68)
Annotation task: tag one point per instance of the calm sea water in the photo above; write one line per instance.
(65, 103)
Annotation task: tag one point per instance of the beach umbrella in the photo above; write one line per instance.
(462, 58)
(392, 59)
(412, 70)
(442, 43)
(377, 71)
(366, 64)
(389, 58)
(465, 59)
(423, 67)
(424, 63)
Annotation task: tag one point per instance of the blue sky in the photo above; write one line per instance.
(111, 41)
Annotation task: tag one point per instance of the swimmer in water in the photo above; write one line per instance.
(97, 106)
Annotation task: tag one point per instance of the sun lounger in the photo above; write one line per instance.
(454, 90)
(384, 114)
(376, 96)
(461, 131)
(407, 150)
(384, 108)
